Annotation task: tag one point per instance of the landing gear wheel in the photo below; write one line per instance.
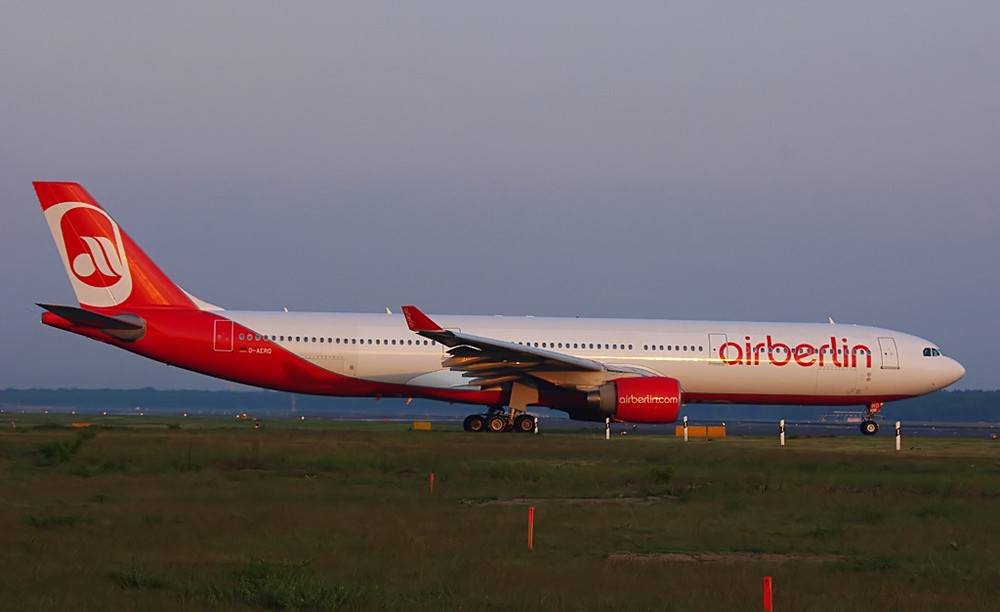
(474, 422)
(496, 423)
(869, 427)
(524, 423)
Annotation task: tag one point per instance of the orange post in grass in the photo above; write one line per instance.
(531, 527)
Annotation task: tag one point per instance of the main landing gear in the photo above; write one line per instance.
(497, 420)
(868, 426)
(518, 396)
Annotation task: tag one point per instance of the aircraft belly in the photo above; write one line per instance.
(440, 379)
(398, 367)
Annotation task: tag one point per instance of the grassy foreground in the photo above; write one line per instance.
(212, 515)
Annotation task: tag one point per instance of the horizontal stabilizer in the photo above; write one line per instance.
(86, 318)
(124, 327)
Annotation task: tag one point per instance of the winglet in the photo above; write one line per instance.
(418, 321)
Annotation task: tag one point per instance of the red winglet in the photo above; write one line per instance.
(418, 321)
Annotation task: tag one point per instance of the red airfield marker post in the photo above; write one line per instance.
(531, 527)
(768, 602)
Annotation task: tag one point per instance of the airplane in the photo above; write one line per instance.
(627, 370)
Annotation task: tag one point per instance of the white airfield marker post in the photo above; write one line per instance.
(685, 428)
(782, 432)
(607, 429)
(897, 435)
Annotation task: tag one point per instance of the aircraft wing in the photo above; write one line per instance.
(491, 363)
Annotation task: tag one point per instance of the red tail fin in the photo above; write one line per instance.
(106, 269)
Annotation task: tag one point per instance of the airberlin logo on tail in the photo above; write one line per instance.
(102, 259)
(93, 252)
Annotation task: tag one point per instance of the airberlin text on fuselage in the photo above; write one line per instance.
(805, 355)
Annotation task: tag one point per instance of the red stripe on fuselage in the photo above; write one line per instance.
(789, 400)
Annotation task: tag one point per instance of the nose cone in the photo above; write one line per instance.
(955, 371)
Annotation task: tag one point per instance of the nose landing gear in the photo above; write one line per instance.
(868, 426)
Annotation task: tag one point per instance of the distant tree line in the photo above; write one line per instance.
(149, 398)
(944, 406)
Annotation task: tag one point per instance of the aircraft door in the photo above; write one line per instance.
(715, 344)
(890, 360)
(223, 338)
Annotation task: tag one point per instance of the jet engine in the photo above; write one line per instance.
(655, 399)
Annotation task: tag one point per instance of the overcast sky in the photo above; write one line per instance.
(748, 161)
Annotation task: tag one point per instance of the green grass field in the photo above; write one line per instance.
(200, 514)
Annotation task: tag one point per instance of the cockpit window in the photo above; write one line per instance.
(931, 352)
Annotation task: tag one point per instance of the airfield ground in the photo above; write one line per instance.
(210, 514)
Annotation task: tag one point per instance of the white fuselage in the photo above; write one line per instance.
(715, 361)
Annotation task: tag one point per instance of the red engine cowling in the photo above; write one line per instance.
(639, 400)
